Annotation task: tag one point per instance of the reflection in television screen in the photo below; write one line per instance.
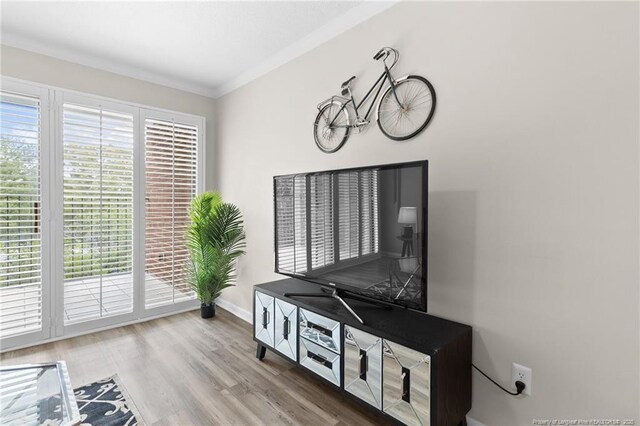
(362, 230)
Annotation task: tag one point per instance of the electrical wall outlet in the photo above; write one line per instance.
(522, 374)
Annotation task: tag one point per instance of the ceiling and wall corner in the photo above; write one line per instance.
(91, 47)
(210, 49)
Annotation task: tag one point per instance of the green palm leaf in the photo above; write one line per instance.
(215, 239)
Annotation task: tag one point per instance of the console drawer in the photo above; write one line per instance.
(320, 360)
(320, 330)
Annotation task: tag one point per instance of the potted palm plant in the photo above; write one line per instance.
(215, 240)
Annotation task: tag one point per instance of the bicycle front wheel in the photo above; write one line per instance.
(404, 120)
(331, 128)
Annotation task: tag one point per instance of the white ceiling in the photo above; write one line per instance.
(208, 48)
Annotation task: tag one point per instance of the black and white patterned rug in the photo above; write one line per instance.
(106, 403)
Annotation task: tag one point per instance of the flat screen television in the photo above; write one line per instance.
(361, 230)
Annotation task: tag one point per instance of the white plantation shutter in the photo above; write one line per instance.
(321, 217)
(20, 215)
(171, 159)
(98, 212)
(291, 223)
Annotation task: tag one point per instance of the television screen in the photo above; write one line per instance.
(363, 230)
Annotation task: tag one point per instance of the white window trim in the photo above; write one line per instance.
(52, 98)
(179, 118)
(58, 253)
(47, 291)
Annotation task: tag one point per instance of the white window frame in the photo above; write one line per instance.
(183, 119)
(47, 291)
(52, 221)
(58, 253)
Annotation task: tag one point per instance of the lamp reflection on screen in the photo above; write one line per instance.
(407, 216)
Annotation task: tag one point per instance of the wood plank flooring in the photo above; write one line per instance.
(183, 370)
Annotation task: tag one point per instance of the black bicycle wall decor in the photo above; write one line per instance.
(403, 111)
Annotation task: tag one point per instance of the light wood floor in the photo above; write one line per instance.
(183, 370)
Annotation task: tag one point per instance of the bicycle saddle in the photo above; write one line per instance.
(346, 83)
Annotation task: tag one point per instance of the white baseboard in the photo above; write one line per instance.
(473, 422)
(243, 314)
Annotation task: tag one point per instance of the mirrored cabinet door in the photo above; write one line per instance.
(407, 379)
(363, 365)
(286, 328)
(263, 318)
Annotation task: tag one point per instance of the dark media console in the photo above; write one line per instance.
(411, 367)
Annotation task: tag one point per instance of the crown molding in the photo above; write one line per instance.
(332, 29)
(102, 64)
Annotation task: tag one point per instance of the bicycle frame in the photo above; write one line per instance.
(386, 75)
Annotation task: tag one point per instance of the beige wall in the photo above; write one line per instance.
(533, 150)
(43, 69)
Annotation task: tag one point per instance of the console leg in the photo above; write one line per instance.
(261, 351)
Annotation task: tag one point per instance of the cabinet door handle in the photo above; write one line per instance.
(319, 329)
(406, 384)
(266, 317)
(319, 359)
(286, 328)
(364, 360)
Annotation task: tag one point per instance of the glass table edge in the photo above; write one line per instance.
(66, 391)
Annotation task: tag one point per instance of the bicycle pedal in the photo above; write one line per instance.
(360, 126)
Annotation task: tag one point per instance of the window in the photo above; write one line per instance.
(20, 215)
(171, 183)
(94, 198)
(98, 212)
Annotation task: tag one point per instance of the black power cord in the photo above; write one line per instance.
(519, 385)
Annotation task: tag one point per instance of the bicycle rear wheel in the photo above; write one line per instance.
(403, 121)
(331, 128)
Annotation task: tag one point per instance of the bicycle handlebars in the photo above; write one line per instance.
(384, 54)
